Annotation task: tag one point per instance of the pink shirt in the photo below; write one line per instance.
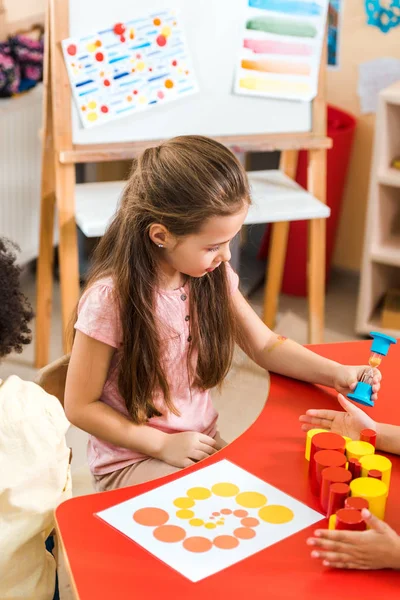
(98, 318)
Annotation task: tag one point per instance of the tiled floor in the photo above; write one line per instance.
(244, 381)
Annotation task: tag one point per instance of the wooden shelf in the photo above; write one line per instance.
(387, 253)
(389, 177)
(374, 325)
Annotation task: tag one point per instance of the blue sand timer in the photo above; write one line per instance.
(379, 348)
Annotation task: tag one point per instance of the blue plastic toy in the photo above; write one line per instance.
(379, 348)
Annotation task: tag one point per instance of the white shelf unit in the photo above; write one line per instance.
(380, 270)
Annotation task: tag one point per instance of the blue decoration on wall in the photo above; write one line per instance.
(384, 15)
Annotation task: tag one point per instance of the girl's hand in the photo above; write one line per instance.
(348, 423)
(377, 548)
(347, 377)
(184, 449)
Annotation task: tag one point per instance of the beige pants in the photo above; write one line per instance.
(139, 472)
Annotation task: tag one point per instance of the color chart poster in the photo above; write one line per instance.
(129, 67)
(281, 48)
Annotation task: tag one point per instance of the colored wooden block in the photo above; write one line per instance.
(310, 435)
(322, 460)
(356, 503)
(357, 449)
(354, 467)
(329, 476)
(373, 490)
(375, 474)
(379, 463)
(368, 435)
(326, 441)
(332, 522)
(338, 493)
(351, 519)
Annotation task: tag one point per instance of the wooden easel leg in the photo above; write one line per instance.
(277, 250)
(44, 280)
(68, 246)
(316, 249)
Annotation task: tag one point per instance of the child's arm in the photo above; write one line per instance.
(351, 422)
(277, 354)
(377, 548)
(87, 374)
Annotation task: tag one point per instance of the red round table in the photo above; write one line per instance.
(103, 564)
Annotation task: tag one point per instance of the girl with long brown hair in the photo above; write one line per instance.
(160, 316)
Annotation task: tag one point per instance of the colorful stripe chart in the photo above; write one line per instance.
(129, 67)
(280, 48)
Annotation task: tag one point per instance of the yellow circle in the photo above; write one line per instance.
(251, 499)
(92, 116)
(196, 522)
(140, 65)
(220, 522)
(185, 514)
(368, 487)
(166, 31)
(210, 526)
(226, 490)
(184, 502)
(142, 100)
(275, 514)
(357, 449)
(91, 47)
(92, 104)
(199, 493)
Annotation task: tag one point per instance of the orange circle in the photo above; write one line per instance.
(226, 542)
(169, 84)
(244, 533)
(169, 533)
(250, 522)
(197, 544)
(240, 513)
(157, 21)
(226, 511)
(152, 517)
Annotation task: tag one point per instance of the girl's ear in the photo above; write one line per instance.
(159, 235)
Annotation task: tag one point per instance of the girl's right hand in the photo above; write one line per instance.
(184, 449)
(349, 423)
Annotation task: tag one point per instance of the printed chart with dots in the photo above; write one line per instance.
(210, 520)
(129, 67)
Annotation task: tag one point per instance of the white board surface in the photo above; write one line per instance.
(213, 33)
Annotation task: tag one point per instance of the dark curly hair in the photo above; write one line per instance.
(15, 310)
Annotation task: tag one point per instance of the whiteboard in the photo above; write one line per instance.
(213, 34)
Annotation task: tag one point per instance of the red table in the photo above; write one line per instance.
(105, 565)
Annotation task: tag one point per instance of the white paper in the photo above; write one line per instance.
(280, 48)
(129, 67)
(375, 76)
(198, 565)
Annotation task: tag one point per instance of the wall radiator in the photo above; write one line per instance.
(20, 166)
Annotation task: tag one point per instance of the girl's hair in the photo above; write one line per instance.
(180, 184)
(15, 310)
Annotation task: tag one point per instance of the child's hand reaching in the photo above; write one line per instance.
(349, 423)
(377, 548)
(184, 449)
(347, 378)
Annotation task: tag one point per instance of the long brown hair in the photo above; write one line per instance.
(180, 184)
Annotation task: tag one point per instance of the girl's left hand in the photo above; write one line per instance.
(377, 548)
(347, 377)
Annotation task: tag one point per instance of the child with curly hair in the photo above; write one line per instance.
(34, 457)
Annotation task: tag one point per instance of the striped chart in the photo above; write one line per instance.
(280, 48)
(129, 67)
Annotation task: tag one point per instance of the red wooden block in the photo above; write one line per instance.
(329, 476)
(322, 460)
(355, 468)
(326, 441)
(338, 493)
(356, 503)
(375, 473)
(349, 518)
(368, 435)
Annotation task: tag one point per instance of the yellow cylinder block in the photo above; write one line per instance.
(376, 461)
(357, 449)
(310, 435)
(373, 490)
(332, 522)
